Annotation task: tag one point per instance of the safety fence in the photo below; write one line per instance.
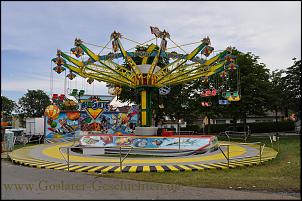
(227, 154)
(120, 162)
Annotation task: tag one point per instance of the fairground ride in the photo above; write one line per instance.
(145, 76)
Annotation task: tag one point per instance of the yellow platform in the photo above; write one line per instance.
(49, 156)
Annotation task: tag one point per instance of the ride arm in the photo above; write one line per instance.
(72, 60)
(182, 71)
(188, 57)
(204, 72)
(95, 57)
(149, 49)
(128, 59)
(215, 58)
(100, 76)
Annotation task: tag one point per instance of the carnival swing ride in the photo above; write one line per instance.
(146, 77)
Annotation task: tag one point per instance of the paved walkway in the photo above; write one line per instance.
(19, 182)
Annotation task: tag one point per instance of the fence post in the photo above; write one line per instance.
(7, 146)
(68, 158)
(228, 147)
(260, 152)
(178, 142)
(120, 159)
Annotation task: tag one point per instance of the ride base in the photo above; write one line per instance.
(56, 156)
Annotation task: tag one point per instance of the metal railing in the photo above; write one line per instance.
(121, 160)
(227, 155)
(242, 135)
(234, 134)
(273, 139)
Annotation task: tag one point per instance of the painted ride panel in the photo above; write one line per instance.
(146, 145)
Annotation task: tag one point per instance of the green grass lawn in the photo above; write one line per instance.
(280, 174)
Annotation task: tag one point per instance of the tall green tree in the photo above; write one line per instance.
(254, 87)
(7, 107)
(277, 97)
(195, 99)
(253, 80)
(176, 103)
(33, 103)
(291, 83)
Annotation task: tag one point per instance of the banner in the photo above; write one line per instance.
(95, 105)
(64, 128)
(69, 124)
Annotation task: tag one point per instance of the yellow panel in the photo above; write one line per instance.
(107, 169)
(197, 167)
(94, 169)
(220, 166)
(144, 118)
(53, 166)
(159, 168)
(150, 49)
(84, 168)
(146, 169)
(119, 169)
(73, 168)
(144, 99)
(62, 167)
(172, 168)
(133, 169)
(185, 167)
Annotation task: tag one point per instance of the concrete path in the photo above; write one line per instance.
(20, 182)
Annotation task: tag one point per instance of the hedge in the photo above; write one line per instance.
(261, 127)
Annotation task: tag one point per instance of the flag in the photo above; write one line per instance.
(155, 31)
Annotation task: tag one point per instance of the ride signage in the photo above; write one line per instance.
(95, 105)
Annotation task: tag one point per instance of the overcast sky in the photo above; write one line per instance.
(31, 32)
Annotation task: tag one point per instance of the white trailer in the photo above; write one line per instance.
(35, 128)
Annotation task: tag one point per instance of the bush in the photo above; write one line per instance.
(272, 126)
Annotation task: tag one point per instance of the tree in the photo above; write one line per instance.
(277, 95)
(253, 80)
(7, 107)
(194, 100)
(291, 83)
(33, 103)
(254, 87)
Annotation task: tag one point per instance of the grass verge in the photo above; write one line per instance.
(281, 174)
